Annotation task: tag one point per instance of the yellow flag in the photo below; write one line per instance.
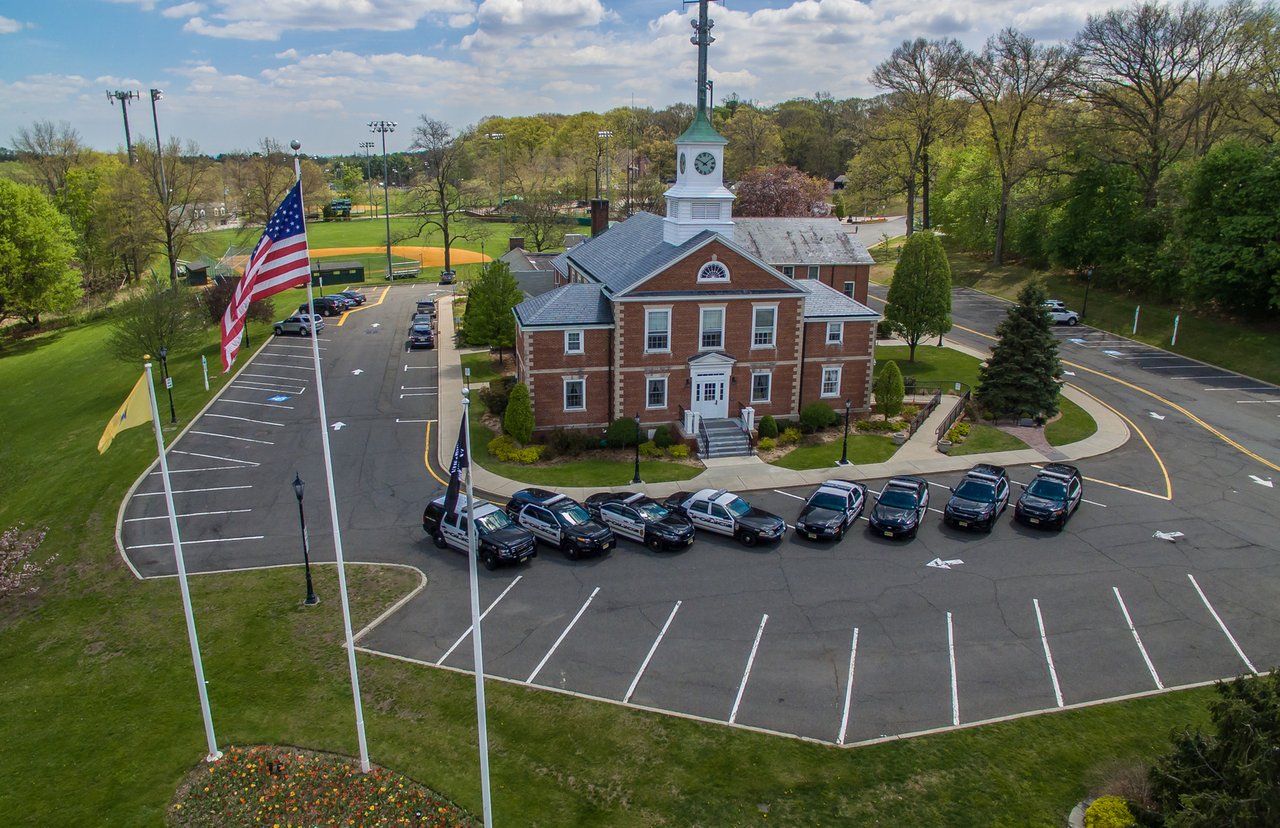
(136, 411)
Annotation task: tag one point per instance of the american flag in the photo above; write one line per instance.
(279, 261)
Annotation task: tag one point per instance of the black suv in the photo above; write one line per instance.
(980, 498)
(560, 521)
(1052, 497)
(641, 518)
(324, 306)
(901, 505)
(498, 540)
(420, 336)
(832, 508)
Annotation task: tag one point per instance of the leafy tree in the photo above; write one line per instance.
(489, 320)
(158, 317)
(919, 300)
(541, 221)
(754, 141)
(889, 389)
(779, 191)
(36, 249)
(85, 199)
(517, 420)
(1021, 376)
(1231, 775)
(1096, 223)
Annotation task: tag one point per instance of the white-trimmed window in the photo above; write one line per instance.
(789, 271)
(831, 381)
(835, 333)
(575, 395)
(711, 329)
(705, 210)
(848, 289)
(764, 323)
(761, 386)
(713, 271)
(655, 394)
(657, 330)
(813, 271)
(573, 342)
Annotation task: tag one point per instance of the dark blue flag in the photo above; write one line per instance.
(455, 469)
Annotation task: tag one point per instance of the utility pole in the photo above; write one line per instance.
(156, 95)
(124, 96)
(382, 128)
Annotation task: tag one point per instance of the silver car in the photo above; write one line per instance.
(300, 325)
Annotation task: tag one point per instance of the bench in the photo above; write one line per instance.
(405, 271)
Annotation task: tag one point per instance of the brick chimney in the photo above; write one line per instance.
(515, 243)
(599, 216)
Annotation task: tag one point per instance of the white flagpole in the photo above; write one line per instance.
(214, 754)
(333, 500)
(477, 646)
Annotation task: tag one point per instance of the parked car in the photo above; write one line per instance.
(355, 296)
(980, 498)
(636, 516)
(341, 301)
(423, 319)
(1059, 313)
(426, 306)
(299, 324)
(1052, 497)
(323, 306)
(832, 508)
(560, 521)
(420, 336)
(900, 507)
(447, 277)
(723, 512)
(498, 540)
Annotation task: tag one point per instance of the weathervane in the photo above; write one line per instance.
(702, 39)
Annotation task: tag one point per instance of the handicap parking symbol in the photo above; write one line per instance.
(279, 398)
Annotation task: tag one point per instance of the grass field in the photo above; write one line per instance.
(863, 449)
(984, 438)
(101, 718)
(1074, 424)
(933, 364)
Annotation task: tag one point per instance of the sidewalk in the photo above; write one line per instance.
(918, 456)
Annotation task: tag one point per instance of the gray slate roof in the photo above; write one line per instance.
(785, 241)
(821, 302)
(626, 253)
(576, 304)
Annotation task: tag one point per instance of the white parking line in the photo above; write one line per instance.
(292, 356)
(416, 367)
(1256, 402)
(188, 514)
(233, 437)
(635, 681)
(746, 674)
(260, 405)
(788, 494)
(269, 376)
(1048, 656)
(196, 542)
(215, 457)
(1237, 388)
(193, 491)
(278, 365)
(1225, 631)
(470, 627)
(1201, 376)
(419, 394)
(398, 420)
(955, 689)
(418, 388)
(1155, 677)
(300, 347)
(278, 387)
(550, 652)
(188, 471)
(244, 419)
(848, 689)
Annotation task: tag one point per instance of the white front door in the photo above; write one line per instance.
(709, 395)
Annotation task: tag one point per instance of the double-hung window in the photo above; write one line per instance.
(657, 330)
(573, 342)
(848, 289)
(575, 395)
(712, 334)
(761, 386)
(655, 392)
(835, 333)
(831, 381)
(789, 271)
(813, 271)
(764, 322)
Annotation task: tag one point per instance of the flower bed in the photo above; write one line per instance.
(267, 785)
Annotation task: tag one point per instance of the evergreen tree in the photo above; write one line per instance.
(489, 302)
(517, 420)
(889, 389)
(920, 295)
(1021, 376)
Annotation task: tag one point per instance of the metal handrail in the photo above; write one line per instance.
(955, 415)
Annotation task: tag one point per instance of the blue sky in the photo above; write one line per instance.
(235, 71)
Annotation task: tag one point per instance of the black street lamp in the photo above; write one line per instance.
(844, 448)
(635, 479)
(298, 486)
(168, 383)
(1088, 280)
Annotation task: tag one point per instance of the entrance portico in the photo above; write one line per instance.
(709, 384)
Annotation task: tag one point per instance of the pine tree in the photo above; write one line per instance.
(920, 295)
(1021, 377)
(489, 302)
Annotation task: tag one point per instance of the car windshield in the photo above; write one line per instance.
(973, 490)
(738, 506)
(493, 521)
(651, 511)
(827, 500)
(1048, 489)
(898, 499)
(422, 329)
(574, 515)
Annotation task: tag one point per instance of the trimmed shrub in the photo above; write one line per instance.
(622, 433)
(789, 436)
(884, 329)
(572, 442)
(517, 420)
(767, 444)
(650, 449)
(496, 394)
(889, 389)
(662, 437)
(504, 449)
(817, 415)
(679, 451)
(958, 432)
(1108, 812)
(768, 426)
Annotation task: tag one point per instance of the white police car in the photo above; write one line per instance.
(723, 512)
(560, 521)
(639, 517)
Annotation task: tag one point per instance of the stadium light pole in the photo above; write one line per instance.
(368, 177)
(498, 136)
(606, 134)
(382, 128)
(124, 96)
(156, 95)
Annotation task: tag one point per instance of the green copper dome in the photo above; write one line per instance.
(701, 131)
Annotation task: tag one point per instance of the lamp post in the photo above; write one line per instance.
(606, 134)
(1088, 280)
(382, 128)
(368, 179)
(844, 447)
(635, 478)
(298, 486)
(124, 97)
(168, 383)
(498, 136)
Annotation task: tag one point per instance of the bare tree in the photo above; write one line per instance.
(51, 151)
(172, 215)
(542, 218)
(438, 195)
(264, 178)
(1015, 83)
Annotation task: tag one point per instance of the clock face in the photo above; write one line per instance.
(704, 163)
(682, 163)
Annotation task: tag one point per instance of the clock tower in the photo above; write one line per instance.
(699, 200)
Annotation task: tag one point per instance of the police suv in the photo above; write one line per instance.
(722, 511)
(498, 540)
(560, 521)
(636, 516)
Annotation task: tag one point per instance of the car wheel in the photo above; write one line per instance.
(653, 543)
(438, 539)
(746, 539)
(489, 560)
(572, 552)
(840, 533)
(279, 331)
(1071, 321)
(304, 332)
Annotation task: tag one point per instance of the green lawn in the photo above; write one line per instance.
(933, 364)
(581, 472)
(1074, 424)
(863, 449)
(101, 718)
(484, 368)
(983, 438)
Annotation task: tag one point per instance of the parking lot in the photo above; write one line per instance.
(842, 643)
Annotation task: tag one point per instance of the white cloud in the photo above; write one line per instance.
(182, 10)
(9, 25)
(257, 20)
(530, 18)
(461, 21)
(244, 30)
(287, 54)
